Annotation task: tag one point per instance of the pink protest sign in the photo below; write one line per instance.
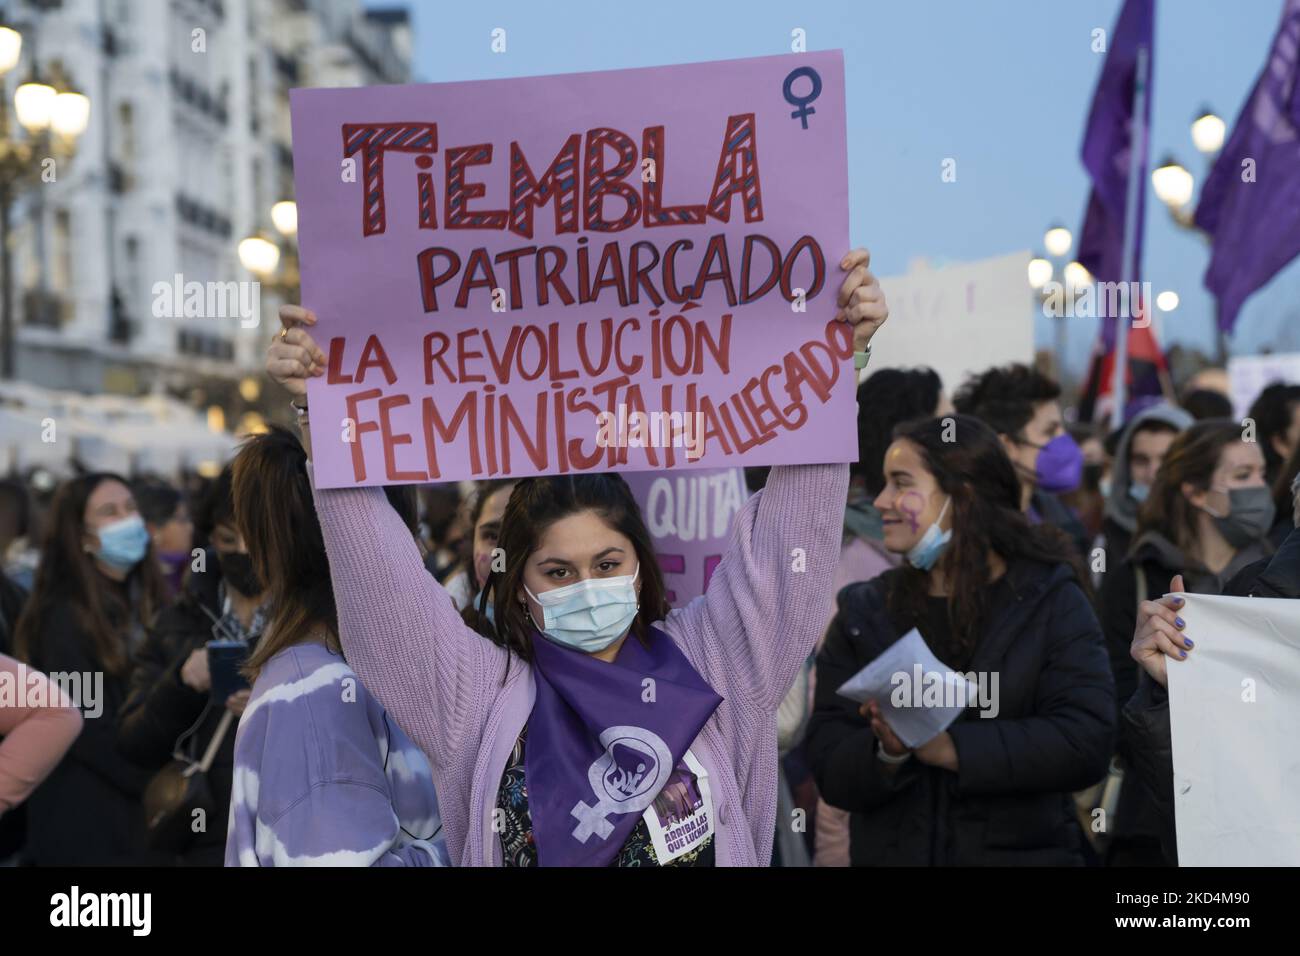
(689, 515)
(630, 270)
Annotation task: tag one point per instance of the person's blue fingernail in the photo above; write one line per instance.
(1179, 622)
(1182, 653)
(1179, 602)
(1187, 641)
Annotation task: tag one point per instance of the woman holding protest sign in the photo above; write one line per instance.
(599, 728)
(999, 604)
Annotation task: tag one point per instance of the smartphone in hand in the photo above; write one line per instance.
(225, 658)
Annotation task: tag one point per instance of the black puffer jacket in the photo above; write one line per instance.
(1144, 725)
(1009, 802)
(1136, 832)
(87, 812)
(161, 707)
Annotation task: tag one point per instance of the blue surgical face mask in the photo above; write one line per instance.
(926, 552)
(122, 544)
(589, 615)
(1139, 492)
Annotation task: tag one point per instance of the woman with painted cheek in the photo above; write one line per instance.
(1001, 602)
(97, 587)
(597, 727)
(1206, 517)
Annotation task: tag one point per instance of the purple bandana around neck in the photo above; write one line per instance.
(602, 742)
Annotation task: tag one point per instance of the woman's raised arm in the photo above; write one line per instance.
(401, 631)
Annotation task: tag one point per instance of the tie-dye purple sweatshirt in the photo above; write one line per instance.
(323, 777)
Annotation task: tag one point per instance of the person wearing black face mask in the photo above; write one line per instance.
(1206, 519)
(172, 707)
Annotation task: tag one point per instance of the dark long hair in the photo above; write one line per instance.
(970, 465)
(67, 575)
(535, 505)
(1191, 459)
(1283, 496)
(475, 613)
(276, 516)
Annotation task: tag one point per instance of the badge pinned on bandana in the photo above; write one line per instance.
(598, 753)
(625, 778)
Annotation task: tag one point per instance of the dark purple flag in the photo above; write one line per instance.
(1107, 151)
(603, 741)
(1253, 213)
(1107, 155)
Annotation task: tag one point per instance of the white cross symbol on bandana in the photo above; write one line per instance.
(591, 817)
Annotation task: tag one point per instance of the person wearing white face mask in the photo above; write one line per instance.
(594, 727)
(1002, 602)
(96, 587)
(1207, 517)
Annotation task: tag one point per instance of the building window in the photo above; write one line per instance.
(63, 251)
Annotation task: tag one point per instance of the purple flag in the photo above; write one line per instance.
(1107, 152)
(1253, 210)
(603, 740)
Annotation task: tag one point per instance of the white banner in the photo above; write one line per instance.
(958, 319)
(1248, 375)
(1234, 713)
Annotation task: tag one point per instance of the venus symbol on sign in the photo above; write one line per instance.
(803, 110)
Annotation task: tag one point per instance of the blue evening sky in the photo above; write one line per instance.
(1002, 86)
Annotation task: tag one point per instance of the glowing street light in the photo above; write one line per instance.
(1167, 301)
(70, 113)
(284, 215)
(1173, 183)
(34, 104)
(1040, 272)
(259, 256)
(1058, 241)
(11, 47)
(1076, 276)
(1208, 132)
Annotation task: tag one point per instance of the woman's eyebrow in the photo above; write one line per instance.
(562, 561)
(608, 551)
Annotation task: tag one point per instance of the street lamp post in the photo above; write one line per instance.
(1057, 241)
(51, 120)
(273, 258)
(1175, 186)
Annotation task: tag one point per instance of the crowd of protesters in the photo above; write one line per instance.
(275, 674)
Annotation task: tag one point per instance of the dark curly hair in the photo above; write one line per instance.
(885, 400)
(1004, 397)
(1273, 411)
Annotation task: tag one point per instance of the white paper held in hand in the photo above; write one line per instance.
(902, 675)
